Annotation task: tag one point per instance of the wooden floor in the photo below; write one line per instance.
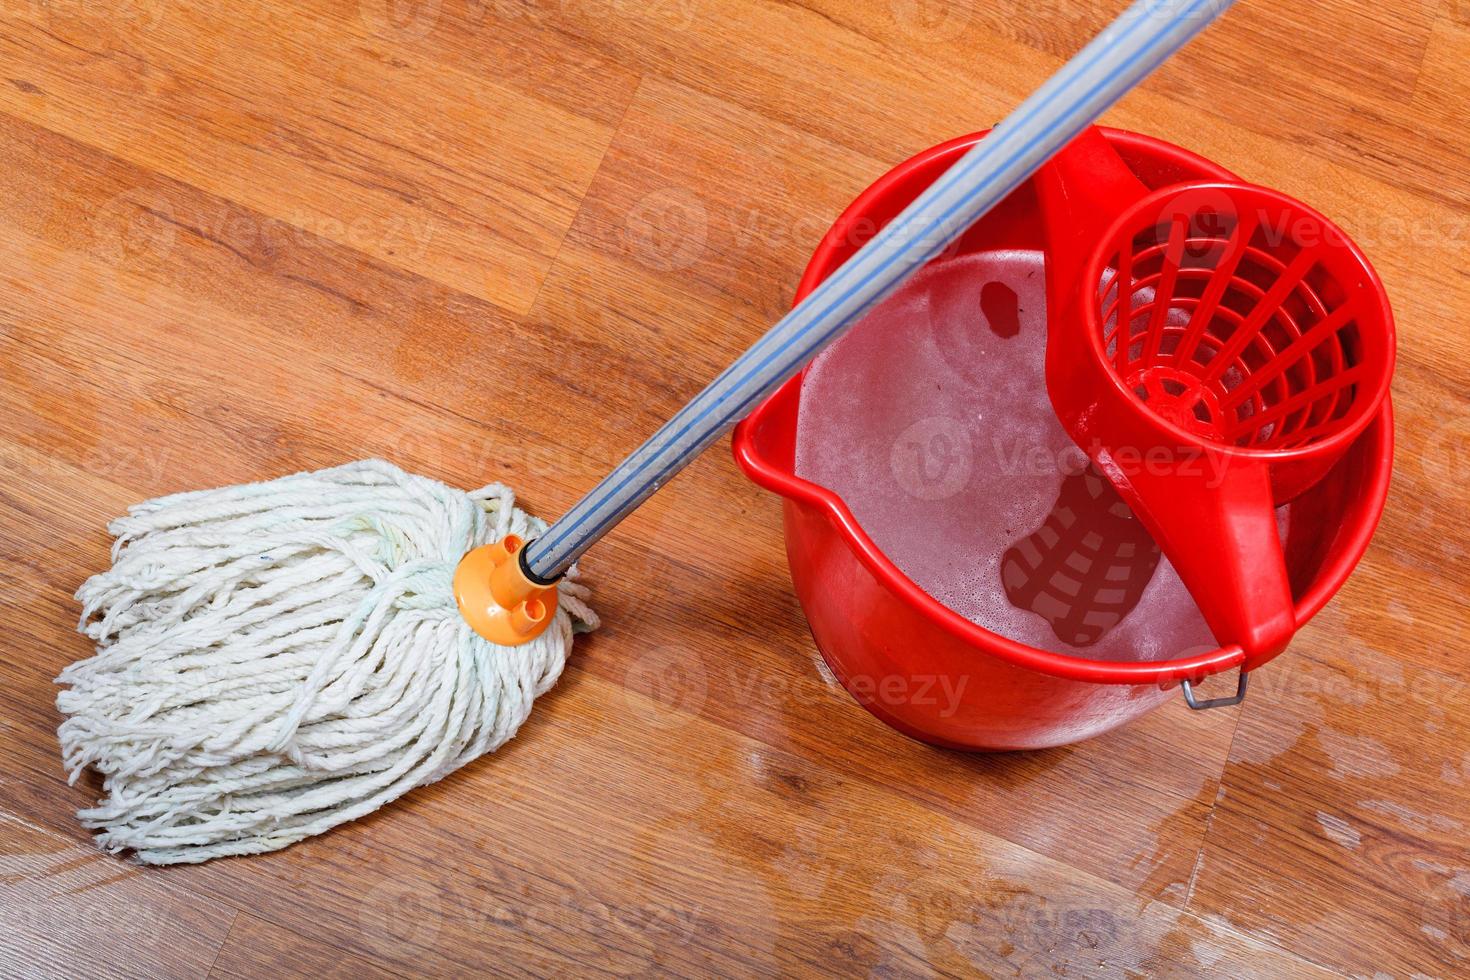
(502, 241)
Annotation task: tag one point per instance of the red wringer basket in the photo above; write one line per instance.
(1214, 348)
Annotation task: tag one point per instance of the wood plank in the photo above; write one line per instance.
(896, 75)
(255, 948)
(454, 175)
(586, 841)
(67, 909)
(1340, 831)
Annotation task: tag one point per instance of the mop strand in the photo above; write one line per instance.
(277, 658)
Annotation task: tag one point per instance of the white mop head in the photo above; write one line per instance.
(278, 658)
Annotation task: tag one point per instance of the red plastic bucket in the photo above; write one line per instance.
(923, 668)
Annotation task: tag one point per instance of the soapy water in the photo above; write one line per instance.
(931, 420)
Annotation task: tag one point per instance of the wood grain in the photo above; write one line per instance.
(502, 241)
(66, 909)
(255, 948)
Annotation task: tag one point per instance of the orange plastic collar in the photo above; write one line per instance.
(496, 597)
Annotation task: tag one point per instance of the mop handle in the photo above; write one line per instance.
(1097, 76)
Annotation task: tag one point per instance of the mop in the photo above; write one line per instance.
(277, 658)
